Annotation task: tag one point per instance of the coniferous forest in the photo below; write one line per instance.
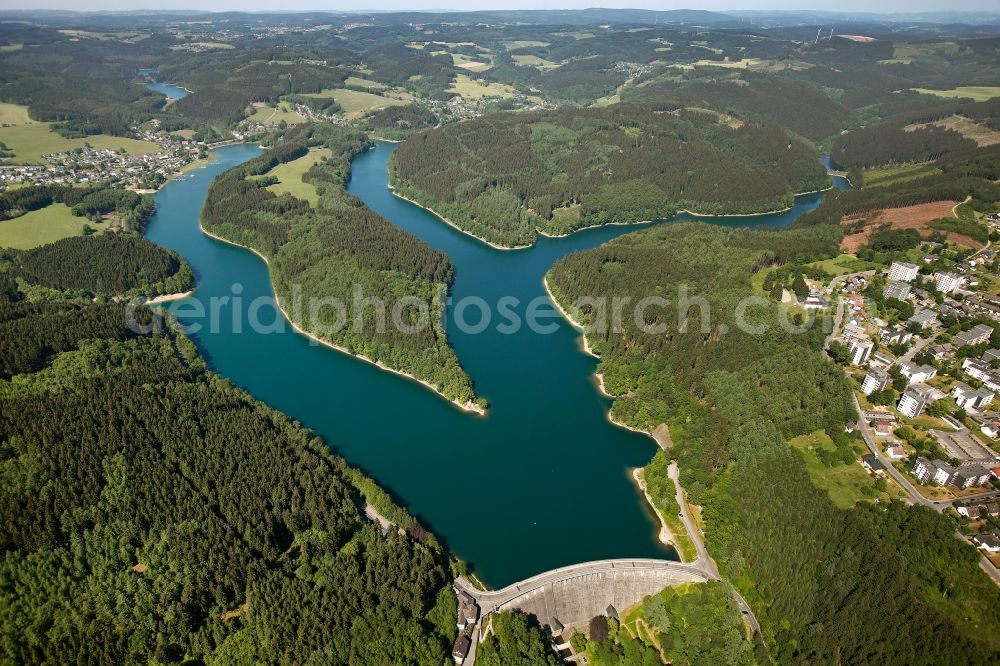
(153, 512)
(505, 178)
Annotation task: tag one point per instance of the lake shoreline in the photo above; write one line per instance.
(453, 225)
(469, 407)
(665, 535)
(540, 232)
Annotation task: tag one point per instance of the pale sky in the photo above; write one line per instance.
(469, 5)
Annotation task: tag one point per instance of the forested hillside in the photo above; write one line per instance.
(335, 250)
(151, 511)
(971, 173)
(505, 177)
(829, 585)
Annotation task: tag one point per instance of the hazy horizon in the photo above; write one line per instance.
(847, 6)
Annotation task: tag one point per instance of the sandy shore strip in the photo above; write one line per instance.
(584, 343)
(665, 535)
(165, 298)
(469, 406)
(453, 225)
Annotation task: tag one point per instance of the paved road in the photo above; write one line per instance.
(705, 562)
(834, 284)
(917, 498)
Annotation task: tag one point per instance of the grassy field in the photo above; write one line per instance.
(290, 176)
(43, 226)
(363, 83)
(845, 263)
(270, 115)
(847, 484)
(890, 175)
(31, 139)
(534, 61)
(473, 89)
(471, 64)
(523, 43)
(356, 104)
(977, 93)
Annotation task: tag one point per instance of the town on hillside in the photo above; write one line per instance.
(920, 340)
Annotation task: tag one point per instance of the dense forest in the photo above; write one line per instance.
(115, 264)
(829, 585)
(151, 511)
(337, 249)
(971, 174)
(504, 177)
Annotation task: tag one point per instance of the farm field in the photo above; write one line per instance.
(356, 104)
(290, 176)
(534, 61)
(977, 93)
(270, 115)
(43, 226)
(363, 83)
(907, 217)
(890, 175)
(471, 64)
(473, 89)
(30, 139)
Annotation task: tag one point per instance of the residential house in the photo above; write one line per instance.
(942, 352)
(976, 335)
(460, 650)
(991, 429)
(988, 542)
(876, 379)
(815, 300)
(947, 282)
(903, 271)
(881, 358)
(896, 289)
(976, 368)
(926, 318)
(917, 373)
(915, 399)
(931, 471)
(970, 512)
(895, 452)
(468, 611)
(969, 475)
(969, 398)
(860, 349)
(990, 355)
(894, 336)
(872, 464)
(883, 428)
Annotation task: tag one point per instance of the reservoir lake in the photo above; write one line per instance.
(540, 482)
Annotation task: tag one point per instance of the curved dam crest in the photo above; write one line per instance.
(541, 482)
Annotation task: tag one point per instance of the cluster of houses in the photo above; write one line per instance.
(989, 541)
(468, 616)
(90, 165)
(940, 473)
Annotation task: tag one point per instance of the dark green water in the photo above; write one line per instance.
(542, 481)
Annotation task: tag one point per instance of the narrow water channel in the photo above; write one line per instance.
(540, 482)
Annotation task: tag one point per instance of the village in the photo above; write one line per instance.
(920, 340)
(145, 171)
